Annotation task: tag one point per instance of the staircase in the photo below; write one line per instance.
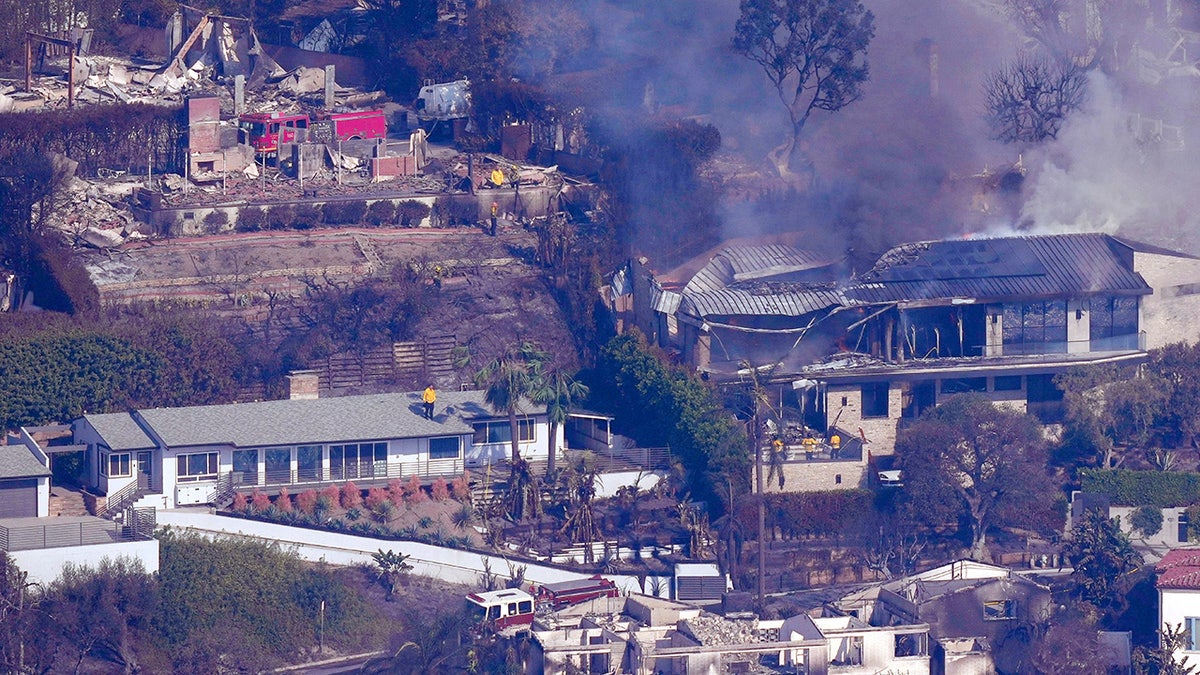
(122, 498)
(66, 501)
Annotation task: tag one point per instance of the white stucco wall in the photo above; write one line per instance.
(1174, 607)
(45, 565)
(445, 564)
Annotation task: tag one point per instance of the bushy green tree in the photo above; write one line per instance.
(663, 405)
(1102, 557)
(970, 459)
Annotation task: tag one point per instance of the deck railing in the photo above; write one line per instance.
(61, 535)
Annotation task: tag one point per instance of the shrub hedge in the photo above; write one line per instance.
(1143, 488)
(804, 515)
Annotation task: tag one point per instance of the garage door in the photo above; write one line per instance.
(18, 498)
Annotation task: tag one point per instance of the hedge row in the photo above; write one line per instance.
(1143, 488)
(812, 514)
(407, 213)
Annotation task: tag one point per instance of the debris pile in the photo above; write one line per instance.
(712, 630)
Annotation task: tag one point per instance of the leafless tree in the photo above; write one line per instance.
(813, 51)
(1028, 99)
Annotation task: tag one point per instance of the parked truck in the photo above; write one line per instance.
(563, 593)
(509, 608)
(443, 102)
(265, 131)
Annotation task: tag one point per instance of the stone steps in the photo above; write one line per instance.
(65, 502)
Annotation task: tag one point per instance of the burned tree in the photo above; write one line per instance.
(1029, 99)
(813, 51)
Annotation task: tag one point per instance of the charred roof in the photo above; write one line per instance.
(1009, 267)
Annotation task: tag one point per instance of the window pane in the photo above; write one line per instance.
(1008, 383)
(381, 452)
(499, 432)
(279, 460)
(444, 448)
(875, 399)
(525, 427)
(1012, 324)
(481, 434)
(308, 461)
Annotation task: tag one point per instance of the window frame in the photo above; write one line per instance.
(484, 434)
(1191, 633)
(441, 454)
(876, 390)
(107, 464)
(1008, 380)
(183, 467)
(1009, 611)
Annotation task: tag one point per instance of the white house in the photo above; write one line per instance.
(169, 457)
(24, 482)
(1179, 598)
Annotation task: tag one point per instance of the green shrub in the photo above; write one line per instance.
(1137, 488)
(280, 216)
(215, 221)
(410, 213)
(345, 213)
(382, 212)
(1147, 519)
(251, 219)
(306, 217)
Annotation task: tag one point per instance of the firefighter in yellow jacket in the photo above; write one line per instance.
(429, 398)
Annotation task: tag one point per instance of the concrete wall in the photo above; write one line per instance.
(1166, 539)
(445, 564)
(1172, 312)
(880, 431)
(45, 565)
(818, 475)
(530, 201)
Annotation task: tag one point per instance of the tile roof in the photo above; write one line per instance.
(293, 422)
(16, 461)
(1180, 569)
(1009, 267)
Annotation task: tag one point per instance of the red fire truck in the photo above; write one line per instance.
(565, 593)
(507, 608)
(265, 131)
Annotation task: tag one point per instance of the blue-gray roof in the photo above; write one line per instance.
(16, 461)
(296, 422)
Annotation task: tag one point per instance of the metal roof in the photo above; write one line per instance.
(16, 461)
(737, 281)
(301, 421)
(1010, 267)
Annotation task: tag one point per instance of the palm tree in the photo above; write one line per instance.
(510, 377)
(559, 392)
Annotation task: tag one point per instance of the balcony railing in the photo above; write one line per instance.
(821, 452)
(61, 535)
(357, 471)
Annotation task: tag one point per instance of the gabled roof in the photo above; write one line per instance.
(1009, 267)
(16, 461)
(759, 281)
(1179, 569)
(297, 422)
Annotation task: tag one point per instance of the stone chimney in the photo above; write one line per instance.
(303, 384)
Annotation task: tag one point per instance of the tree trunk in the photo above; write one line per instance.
(515, 435)
(552, 443)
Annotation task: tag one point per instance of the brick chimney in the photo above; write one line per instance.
(303, 384)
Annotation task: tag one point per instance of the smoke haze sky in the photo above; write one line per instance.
(898, 164)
